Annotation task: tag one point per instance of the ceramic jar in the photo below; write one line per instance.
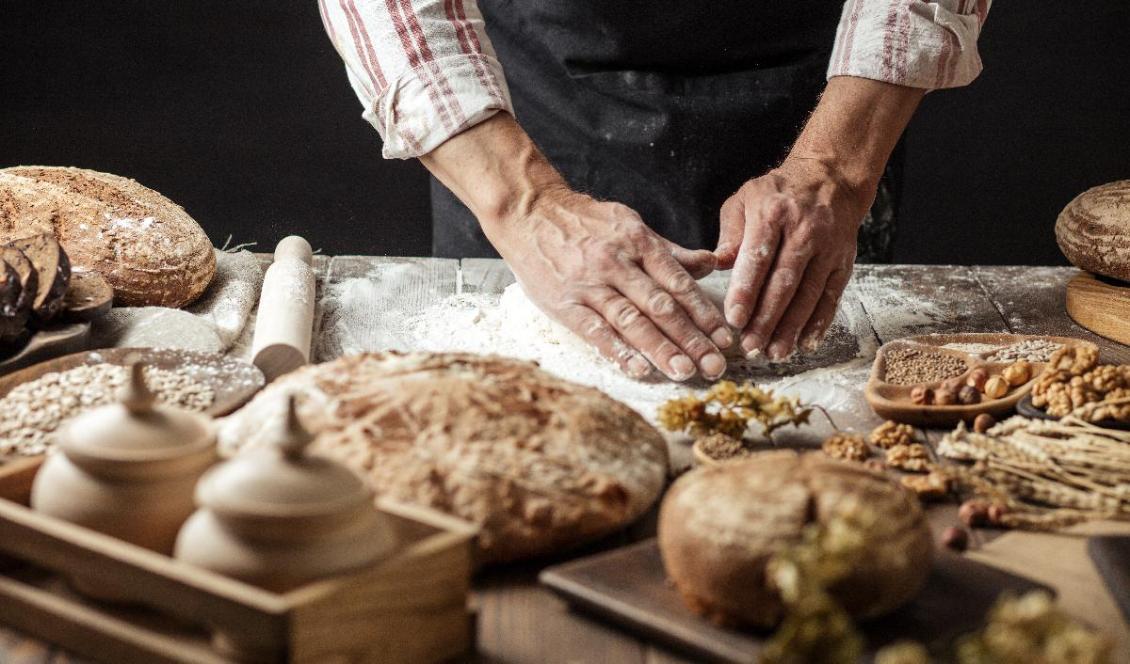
(127, 469)
(277, 517)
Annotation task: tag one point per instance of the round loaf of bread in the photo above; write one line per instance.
(719, 526)
(1093, 231)
(147, 247)
(538, 463)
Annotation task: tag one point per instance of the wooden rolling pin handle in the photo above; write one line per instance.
(285, 319)
(295, 246)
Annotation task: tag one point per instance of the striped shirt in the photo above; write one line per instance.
(425, 70)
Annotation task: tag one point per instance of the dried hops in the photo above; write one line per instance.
(730, 409)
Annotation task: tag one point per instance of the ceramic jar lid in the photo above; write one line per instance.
(135, 428)
(281, 481)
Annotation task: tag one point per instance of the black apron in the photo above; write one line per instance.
(667, 106)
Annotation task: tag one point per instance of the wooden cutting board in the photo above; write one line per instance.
(628, 586)
(1101, 305)
(1111, 554)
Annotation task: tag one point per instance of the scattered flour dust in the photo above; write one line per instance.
(361, 316)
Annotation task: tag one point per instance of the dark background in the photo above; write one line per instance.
(241, 112)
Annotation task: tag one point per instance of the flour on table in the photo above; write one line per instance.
(511, 325)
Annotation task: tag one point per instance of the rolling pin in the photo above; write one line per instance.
(285, 321)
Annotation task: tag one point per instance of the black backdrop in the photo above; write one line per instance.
(241, 112)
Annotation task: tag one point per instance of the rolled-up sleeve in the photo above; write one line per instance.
(424, 70)
(916, 43)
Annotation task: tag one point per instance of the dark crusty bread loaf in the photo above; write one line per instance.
(147, 247)
(538, 463)
(720, 525)
(1093, 231)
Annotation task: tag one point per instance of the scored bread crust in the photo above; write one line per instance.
(537, 462)
(720, 525)
(147, 247)
(1093, 231)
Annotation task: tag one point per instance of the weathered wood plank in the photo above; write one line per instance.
(1031, 300)
(365, 296)
(484, 275)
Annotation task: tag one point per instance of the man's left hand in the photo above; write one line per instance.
(790, 237)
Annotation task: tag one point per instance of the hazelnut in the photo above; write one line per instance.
(996, 387)
(955, 538)
(952, 384)
(922, 396)
(969, 395)
(944, 397)
(995, 514)
(1017, 373)
(983, 423)
(974, 512)
(977, 379)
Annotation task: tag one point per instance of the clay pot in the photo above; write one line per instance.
(278, 518)
(127, 469)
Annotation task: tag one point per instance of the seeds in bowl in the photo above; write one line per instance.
(1033, 350)
(914, 366)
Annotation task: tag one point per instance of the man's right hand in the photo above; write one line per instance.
(593, 266)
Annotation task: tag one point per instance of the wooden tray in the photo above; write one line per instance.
(892, 402)
(51, 341)
(629, 586)
(411, 607)
(1101, 305)
(233, 381)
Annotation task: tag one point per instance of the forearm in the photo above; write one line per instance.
(495, 169)
(854, 128)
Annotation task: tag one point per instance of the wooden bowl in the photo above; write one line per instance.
(234, 382)
(892, 401)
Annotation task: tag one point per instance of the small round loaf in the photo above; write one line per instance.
(719, 526)
(147, 247)
(538, 463)
(1093, 231)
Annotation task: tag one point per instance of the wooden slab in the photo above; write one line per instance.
(1100, 305)
(629, 586)
(51, 341)
(1111, 555)
(233, 381)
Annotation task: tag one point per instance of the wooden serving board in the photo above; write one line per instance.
(233, 381)
(51, 341)
(1101, 305)
(629, 586)
(892, 402)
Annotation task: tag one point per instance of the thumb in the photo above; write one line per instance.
(698, 262)
(731, 229)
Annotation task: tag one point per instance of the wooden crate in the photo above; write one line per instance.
(411, 607)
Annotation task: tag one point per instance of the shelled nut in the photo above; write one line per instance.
(1017, 373)
(996, 387)
(983, 423)
(969, 395)
(952, 384)
(922, 396)
(977, 379)
(955, 538)
(945, 397)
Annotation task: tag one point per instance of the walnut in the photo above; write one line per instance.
(922, 396)
(890, 433)
(930, 487)
(846, 446)
(1017, 373)
(911, 457)
(977, 379)
(1073, 359)
(996, 387)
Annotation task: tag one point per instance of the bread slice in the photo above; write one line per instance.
(14, 307)
(88, 297)
(53, 271)
(29, 278)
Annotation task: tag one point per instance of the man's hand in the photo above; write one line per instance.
(790, 234)
(790, 237)
(593, 266)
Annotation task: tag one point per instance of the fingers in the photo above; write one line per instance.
(641, 333)
(758, 248)
(697, 262)
(671, 277)
(731, 221)
(587, 324)
(799, 311)
(781, 285)
(817, 326)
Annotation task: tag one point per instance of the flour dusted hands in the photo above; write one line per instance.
(596, 268)
(790, 237)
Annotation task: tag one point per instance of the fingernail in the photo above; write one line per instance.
(751, 345)
(777, 351)
(713, 366)
(753, 354)
(722, 338)
(682, 367)
(638, 367)
(738, 316)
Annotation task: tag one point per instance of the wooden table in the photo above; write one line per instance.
(521, 622)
